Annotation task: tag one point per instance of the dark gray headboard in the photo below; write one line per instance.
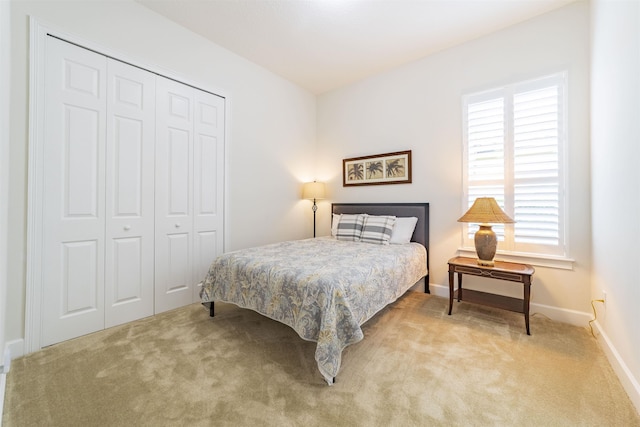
(419, 210)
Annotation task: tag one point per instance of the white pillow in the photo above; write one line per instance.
(334, 224)
(403, 230)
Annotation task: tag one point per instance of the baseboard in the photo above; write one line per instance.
(572, 317)
(629, 383)
(439, 290)
(564, 315)
(15, 349)
(3, 383)
(3, 379)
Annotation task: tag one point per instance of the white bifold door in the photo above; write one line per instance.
(129, 190)
(132, 182)
(74, 192)
(189, 148)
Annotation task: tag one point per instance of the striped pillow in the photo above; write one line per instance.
(377, 229)
(350, 227)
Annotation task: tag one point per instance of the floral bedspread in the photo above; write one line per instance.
(323, 288)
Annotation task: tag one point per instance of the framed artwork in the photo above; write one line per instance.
(388, 168)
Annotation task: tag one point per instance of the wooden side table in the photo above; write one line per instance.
(509, 271)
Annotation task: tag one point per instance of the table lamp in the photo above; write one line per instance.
(485, 211)
(313, 191)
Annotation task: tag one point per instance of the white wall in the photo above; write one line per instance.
(615, 152)
(272, 123)
(418, 107)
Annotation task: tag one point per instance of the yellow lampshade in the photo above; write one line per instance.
(485, 210)
(313, 190)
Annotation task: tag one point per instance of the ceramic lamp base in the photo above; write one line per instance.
(486, 245)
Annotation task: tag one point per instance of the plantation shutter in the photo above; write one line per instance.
(486, 132)
(536, 131)
(513, 144)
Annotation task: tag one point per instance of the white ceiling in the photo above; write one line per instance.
(324, 44)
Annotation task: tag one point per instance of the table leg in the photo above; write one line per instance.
(459, 286)
(527, 296)
(450, 290)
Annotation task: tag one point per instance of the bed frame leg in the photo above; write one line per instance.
(211, 311)
(334, 380)
(426, 285)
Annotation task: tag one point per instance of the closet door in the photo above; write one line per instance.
(189, 190)
(208, 190)
(132, 195)
(174, 286)
(129, 257)
(73, 199)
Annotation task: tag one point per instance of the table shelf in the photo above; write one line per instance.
(491, 300)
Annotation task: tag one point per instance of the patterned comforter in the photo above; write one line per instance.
(323, 288)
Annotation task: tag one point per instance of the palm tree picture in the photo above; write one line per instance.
(388, 168)
(395, 168)
(356, 171)
(374, 170)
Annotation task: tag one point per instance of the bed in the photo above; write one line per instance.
(326, 288)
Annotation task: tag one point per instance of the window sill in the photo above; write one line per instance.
(550, 261)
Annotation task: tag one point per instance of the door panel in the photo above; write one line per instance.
(128, 277)
(206, 177)
(179, 168)
(128, 167)
(73, 199)
(81, 156)
(207, 249)
(130, 154)
(178, 262)
(79, 278)
(174, 195)
(208, 183)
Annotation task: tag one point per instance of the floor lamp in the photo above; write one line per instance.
(313, 191)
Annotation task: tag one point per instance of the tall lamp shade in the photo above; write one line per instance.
(313, 191)
(486, 211)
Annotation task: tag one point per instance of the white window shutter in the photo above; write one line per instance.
(536, 128)
(485, 134)
(513, 151)
(485, 153)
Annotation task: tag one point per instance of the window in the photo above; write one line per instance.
(514, 138)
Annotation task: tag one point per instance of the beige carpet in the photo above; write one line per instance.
(416, 367)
